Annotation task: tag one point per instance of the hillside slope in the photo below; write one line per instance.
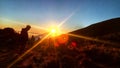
(100, 29)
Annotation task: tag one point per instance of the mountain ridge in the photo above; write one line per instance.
(100, 28)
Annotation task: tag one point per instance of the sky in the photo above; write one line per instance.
(43, 13)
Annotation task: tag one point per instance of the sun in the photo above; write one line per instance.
(53, 31)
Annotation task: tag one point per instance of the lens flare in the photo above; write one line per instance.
(62, 39)
(52, 32)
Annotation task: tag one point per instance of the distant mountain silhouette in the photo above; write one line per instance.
(100, 29)
(107, 31)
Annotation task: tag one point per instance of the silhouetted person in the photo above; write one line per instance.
(9, 41)
(24, 37)
(8, 38)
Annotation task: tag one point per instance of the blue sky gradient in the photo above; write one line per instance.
(41, 12)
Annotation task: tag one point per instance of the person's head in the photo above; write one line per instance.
(28, 27)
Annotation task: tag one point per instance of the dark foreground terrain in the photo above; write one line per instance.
(76, 53)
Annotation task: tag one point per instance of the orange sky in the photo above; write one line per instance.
(17, 26)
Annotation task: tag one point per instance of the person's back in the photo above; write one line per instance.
(24, 34)
(8, 46)
(24, 37)
(8, 38)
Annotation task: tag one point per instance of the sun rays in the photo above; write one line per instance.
(66, 19)
(25, 53)
(53, 32)
(93, 39)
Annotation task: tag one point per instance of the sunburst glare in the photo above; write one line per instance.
(19, 58)
(93, 39)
